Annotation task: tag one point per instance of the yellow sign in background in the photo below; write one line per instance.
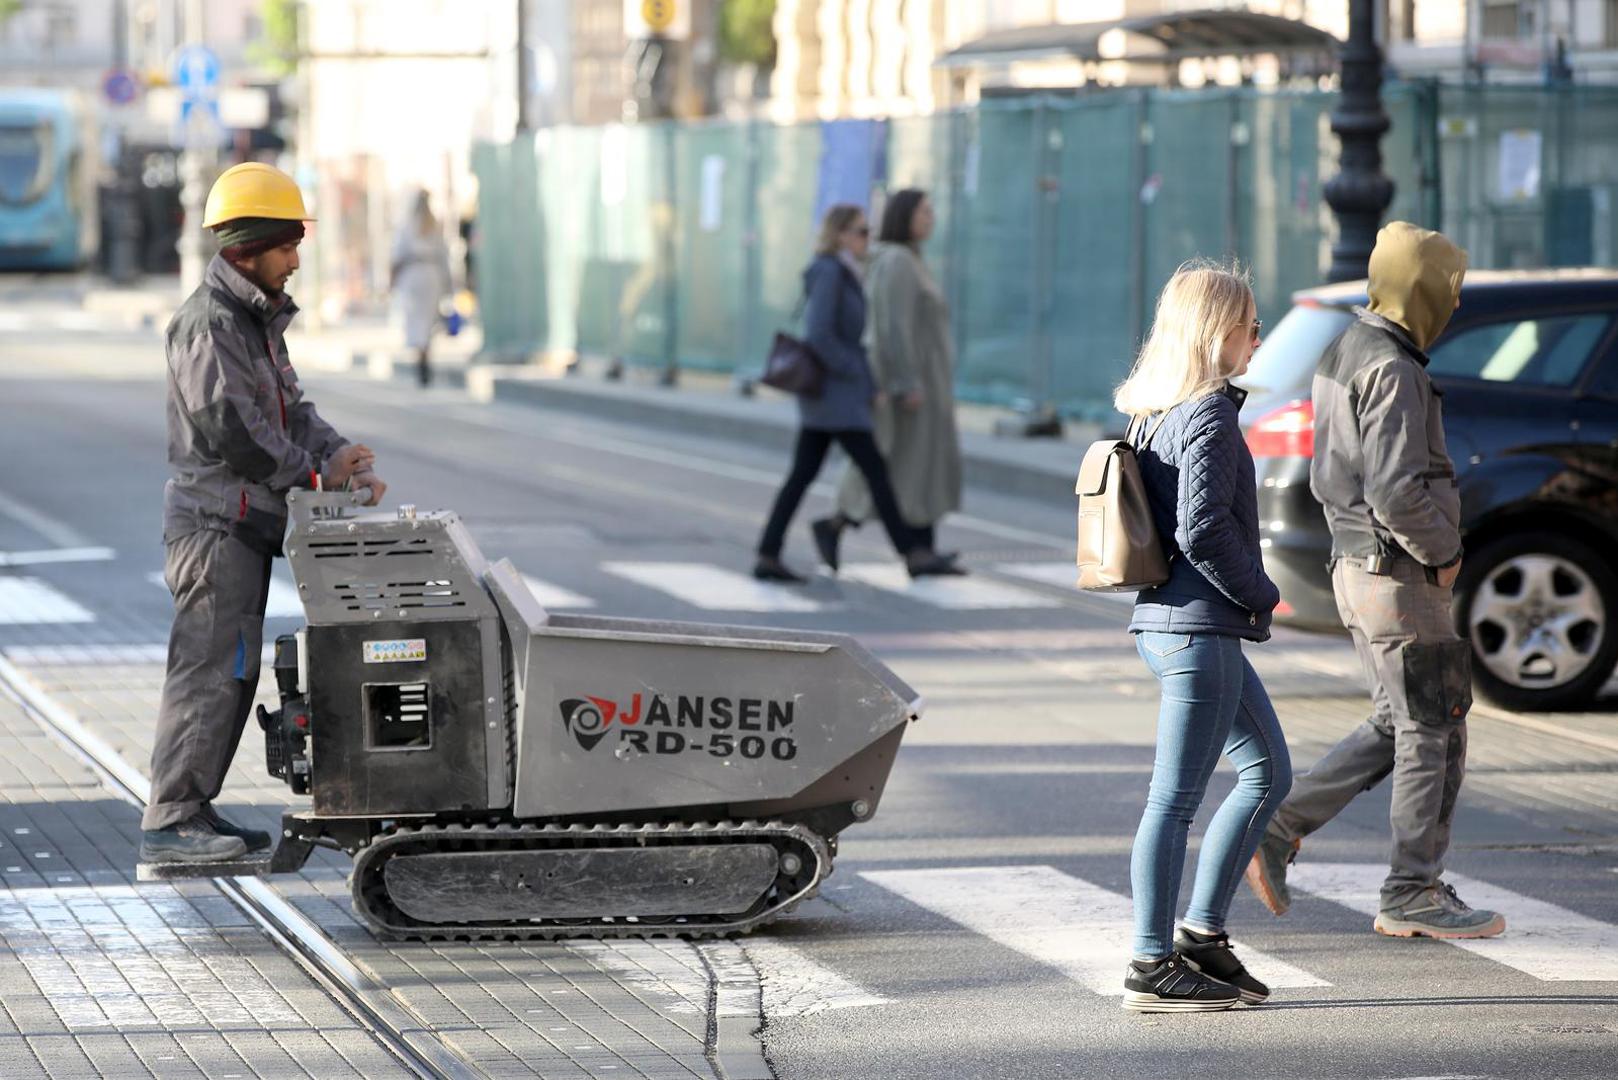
(659, 14)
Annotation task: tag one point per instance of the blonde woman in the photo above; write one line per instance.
(1199, 481)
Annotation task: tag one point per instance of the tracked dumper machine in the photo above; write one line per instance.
(495, 769)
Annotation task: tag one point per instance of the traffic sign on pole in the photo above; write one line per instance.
(119, 86)
(196, 72)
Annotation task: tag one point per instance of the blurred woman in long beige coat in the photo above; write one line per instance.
(913, 360)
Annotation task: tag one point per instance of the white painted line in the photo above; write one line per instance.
(79, 655)
(282, 603)
(955, 593)
(31, 601)
(554, 596)
(1079, 929)
(664, 455)
(56, 555)
(1548, 942)
(795, 985)
(57, 532)
(713, 588)
(1062, 574)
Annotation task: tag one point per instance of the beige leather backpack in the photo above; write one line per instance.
(1119, 549)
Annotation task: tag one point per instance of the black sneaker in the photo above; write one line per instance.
(1212, 955)
(193, 840)
(1173, 985)
(1438, 913)
(827, 532)
(255, 839)
(1267, 873)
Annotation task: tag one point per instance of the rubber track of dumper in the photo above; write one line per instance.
(376, 911)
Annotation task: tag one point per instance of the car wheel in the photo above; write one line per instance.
(1541, 612)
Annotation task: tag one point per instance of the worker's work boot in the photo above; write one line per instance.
(1267, 873)
(1438, 913)
(255, 839)
(193, 840)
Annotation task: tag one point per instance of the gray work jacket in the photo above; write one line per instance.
(240, 432)
(1381, 469)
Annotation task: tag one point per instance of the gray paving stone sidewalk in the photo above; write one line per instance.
(100, 977)
(561, 1011)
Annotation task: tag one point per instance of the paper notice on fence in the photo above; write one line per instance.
(713, 193)
(1519, 164)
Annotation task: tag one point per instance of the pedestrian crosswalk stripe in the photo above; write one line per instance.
(713, 588)
(794, 985)
(31, 601)
(955, 593)
(554, 596)
(1064, 574)
(1548, 942)
(282, 603)
(1080, 929)
(76, 655)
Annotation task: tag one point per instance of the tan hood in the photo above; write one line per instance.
(1415, 279)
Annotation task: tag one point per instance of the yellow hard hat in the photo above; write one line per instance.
(253, 190)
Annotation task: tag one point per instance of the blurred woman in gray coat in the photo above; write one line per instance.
(913, 359)
(834, 326)
(420, 277)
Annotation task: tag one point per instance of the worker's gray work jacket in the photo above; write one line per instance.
(240, 432)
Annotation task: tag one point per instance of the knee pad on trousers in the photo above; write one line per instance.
(1438, 681)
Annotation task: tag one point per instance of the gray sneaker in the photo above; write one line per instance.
(1267, 873)
(191, 841)
(1438, 913)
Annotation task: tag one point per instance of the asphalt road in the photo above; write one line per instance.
(970, 929)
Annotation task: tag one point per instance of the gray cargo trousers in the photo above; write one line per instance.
(220, 587)
(1419, 672)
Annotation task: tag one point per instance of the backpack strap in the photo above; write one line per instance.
(1141, 425)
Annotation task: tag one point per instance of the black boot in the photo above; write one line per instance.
(924, 562)
(772, 569)
(255, 839)
(828, 532)
(193, 840)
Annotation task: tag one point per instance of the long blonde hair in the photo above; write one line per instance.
(837, 221)
(1201, 304)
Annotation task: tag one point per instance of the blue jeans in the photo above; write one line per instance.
(1212, 702)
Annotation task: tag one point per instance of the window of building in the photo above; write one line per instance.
(1609, 24)
(1508, 19)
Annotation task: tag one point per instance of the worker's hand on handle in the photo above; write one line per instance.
(1448, 574)
(369, 479)
(341, 466)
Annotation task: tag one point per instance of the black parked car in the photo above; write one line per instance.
(1528, 369)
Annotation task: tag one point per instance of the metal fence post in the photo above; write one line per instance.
(666, 252)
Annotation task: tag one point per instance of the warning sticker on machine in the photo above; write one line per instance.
(397, 651)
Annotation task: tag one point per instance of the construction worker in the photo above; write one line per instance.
(241, 435)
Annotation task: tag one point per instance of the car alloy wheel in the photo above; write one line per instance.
(1539, 612)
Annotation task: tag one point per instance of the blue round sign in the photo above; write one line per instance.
(196, 71)
(119, 87)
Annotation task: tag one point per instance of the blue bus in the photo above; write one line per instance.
(47, 205)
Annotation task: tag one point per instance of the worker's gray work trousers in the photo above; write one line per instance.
(1419, 671)
(220, 587)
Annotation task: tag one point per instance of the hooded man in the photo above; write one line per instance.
(1384, 477)
(240, 436)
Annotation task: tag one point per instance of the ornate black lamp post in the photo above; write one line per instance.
(1360, 191)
